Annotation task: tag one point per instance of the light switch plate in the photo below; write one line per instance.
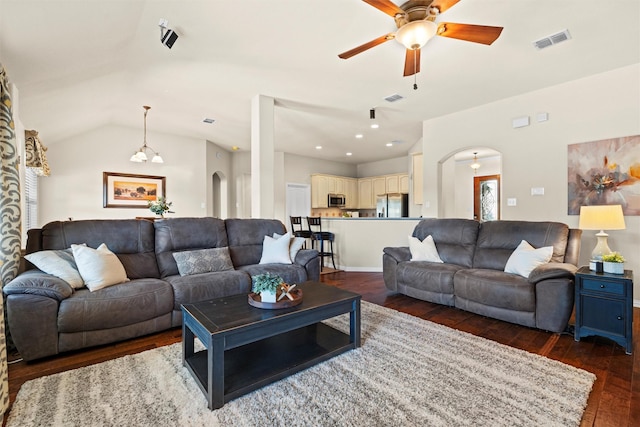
(537, 191)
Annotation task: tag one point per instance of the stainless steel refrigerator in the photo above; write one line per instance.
(392, 206)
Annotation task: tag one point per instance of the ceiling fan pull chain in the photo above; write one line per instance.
(415, 69)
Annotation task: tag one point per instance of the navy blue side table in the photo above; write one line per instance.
(604, 306)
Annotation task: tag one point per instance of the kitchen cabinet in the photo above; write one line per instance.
(404, 183)
(365, 194)
(351, 193)
(379, 187)
(319, 191)
(392, 184)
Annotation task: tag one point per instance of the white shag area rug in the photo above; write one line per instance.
(408, 372)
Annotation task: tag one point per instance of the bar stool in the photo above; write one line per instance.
(321, 236)
(300, 232)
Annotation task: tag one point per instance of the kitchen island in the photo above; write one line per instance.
(359, 241)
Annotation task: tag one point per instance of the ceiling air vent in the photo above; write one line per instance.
(208, 120)
(552, 39)
(393, 98)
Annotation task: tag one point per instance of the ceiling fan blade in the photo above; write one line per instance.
(411, 62)
(443, 5)
(386, 6)
(356, 50)
(472, 33)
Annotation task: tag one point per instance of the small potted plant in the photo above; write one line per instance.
(160, 206)
(613, 263)
(266, 285)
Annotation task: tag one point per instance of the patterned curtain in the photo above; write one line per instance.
(35, 157)
(10, 227)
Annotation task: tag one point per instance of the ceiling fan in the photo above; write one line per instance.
(415, 20)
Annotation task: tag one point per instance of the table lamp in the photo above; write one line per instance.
(601, 217)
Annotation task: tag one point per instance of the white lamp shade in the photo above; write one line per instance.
(157, 159)
(601, 217)
(416, 34)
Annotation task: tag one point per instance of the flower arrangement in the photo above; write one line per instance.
(613, 257)
(160, 206)
(266, 282)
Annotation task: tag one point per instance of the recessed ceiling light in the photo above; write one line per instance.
(208, 120)
(318, 147)
(375, 126)
(359, 136)
(349, 154)
(235, 148)
(389, 144)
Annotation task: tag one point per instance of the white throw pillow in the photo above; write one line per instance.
(423, 251)
(59, 263)
(276, 251)
(525, 258)
(294, 247)
(99, 268)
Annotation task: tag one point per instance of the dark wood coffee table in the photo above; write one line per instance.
(247, 347)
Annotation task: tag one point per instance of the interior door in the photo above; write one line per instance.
(486, 198)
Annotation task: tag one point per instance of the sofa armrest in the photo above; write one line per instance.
(552, 270)
(35, 282)
(310, 260)
(399, 254)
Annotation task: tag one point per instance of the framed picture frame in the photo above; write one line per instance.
(126, 190)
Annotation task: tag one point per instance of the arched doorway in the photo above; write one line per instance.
(219, 187)
(457, 178)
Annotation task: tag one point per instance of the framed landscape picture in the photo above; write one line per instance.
(125, 190)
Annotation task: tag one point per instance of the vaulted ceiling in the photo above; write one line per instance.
(80, 65)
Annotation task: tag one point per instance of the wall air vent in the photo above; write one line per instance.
(393, 98)
(208, 120)
(552, 39)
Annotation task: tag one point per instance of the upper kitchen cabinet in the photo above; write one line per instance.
(319, 191)
(351, 193)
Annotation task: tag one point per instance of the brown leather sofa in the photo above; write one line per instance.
(46, 316)
(472, 275)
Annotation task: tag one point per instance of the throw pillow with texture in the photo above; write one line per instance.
(59, 263)
(203, 261)
(525, 258)
(423, 251)
(99, 267)
(276, 251)
(294, 247)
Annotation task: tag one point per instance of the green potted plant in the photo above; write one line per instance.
(613, 263)
(160, 206)
(266, 285)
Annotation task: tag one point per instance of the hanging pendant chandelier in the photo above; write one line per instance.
(475, 165)
(141, 155)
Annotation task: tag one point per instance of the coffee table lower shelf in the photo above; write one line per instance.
(254, 365)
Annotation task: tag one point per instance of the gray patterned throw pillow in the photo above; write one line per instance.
(203, 261)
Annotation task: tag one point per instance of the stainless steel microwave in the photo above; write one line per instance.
(336, 200)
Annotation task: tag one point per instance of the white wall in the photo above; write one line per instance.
(74, 189)
(602, 106)
(385, 167)
(298, 169)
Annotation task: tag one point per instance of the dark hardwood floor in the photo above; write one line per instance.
(614, 400)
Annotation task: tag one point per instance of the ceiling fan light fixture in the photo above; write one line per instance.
(413, 35)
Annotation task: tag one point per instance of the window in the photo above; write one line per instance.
(30, 194)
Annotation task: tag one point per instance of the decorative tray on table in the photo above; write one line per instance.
(296, 294)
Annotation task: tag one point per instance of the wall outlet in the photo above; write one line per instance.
(512, 201)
